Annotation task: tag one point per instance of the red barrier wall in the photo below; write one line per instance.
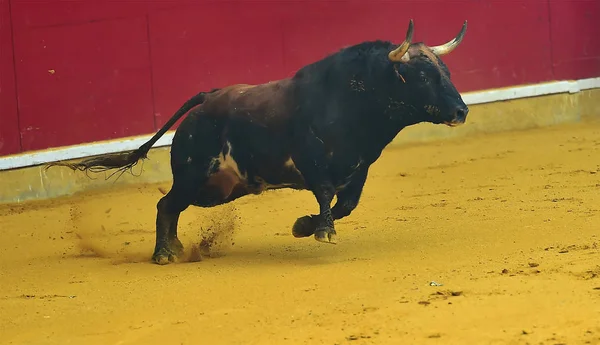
(100, 69)
(9, 121)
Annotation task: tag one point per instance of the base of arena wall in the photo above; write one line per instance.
(515, 114)
(34, 182)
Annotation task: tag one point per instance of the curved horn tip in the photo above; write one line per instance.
(463, 29)
(409, 32)
(400, 53)
(452, 44)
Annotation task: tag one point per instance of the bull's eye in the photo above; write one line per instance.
(424, 78)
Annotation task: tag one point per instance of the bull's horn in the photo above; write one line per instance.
(400, 54)
(448, 47)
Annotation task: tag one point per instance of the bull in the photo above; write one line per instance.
(319, 130)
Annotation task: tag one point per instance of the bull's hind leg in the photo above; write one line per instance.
(200, 187)
(196, 145)
(188, 179)
(168, 248)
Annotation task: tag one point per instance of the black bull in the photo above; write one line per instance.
(319, 130)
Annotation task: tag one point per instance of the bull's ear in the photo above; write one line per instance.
(400, 54)
(451, 45)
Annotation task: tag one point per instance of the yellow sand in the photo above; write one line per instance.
(509, 224)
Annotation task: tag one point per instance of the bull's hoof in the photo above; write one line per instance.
(163, 257)
(171, 254)
(326, 235)
(304, 227)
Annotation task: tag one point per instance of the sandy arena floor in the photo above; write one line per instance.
(508, 223)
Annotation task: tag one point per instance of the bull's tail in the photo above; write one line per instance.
(127, 160)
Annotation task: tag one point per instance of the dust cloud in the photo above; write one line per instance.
(216, 230)
(209, 234)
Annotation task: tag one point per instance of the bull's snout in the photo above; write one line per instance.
(459, 115)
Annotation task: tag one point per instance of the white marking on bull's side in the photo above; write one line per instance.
(267, 186)
(227, 161)
(291, 165)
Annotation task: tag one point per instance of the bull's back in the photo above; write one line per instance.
(256, 116)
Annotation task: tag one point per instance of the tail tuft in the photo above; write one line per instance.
(121, 161)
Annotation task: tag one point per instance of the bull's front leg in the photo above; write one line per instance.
(324, 227)
(347, 200)
(310, 159)
(321, 225)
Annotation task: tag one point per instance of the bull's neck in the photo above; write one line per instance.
(395, 116)
(381, 135)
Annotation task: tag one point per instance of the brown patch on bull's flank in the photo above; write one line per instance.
(263, 104)
(225, 180)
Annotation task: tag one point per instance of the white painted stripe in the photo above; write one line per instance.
(80, 151)
(519, 92)
(591, 83)
(542, 89)
(120, 145)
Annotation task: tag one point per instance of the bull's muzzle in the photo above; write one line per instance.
(459, 116)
